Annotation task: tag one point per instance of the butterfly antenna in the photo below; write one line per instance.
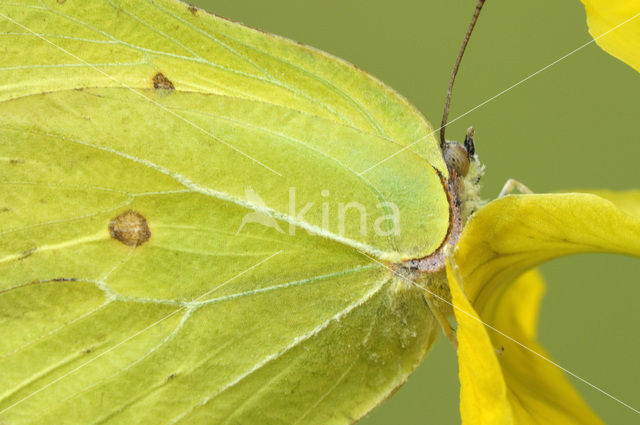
(445, 115)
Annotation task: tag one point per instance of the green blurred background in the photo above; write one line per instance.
(575, 125)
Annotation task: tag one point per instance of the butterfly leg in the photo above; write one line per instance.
(512, 185)
(436, 307)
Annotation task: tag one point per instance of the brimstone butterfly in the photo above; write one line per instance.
(199, 220)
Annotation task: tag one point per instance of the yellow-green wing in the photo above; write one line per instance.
(244, 305)
(263, 111)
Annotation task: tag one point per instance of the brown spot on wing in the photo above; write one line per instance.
(193, 9)
(161, 82)
(130, 228)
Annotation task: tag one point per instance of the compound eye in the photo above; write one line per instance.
(457, 158)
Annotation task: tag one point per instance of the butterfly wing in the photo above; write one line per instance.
(240, 303)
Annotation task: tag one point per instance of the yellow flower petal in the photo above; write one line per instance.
(622, 42)
(516, 386)
(483, 391)
(627, 201)
(501, 242)
(515, 233)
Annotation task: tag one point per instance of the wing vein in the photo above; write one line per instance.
(224, 197)
(268, 359)
(271, 78)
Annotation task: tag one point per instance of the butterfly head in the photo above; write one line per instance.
(458, 156)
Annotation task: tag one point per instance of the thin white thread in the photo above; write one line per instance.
(142, 95)
(499, 94)
(135, 335)
(503, 334)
